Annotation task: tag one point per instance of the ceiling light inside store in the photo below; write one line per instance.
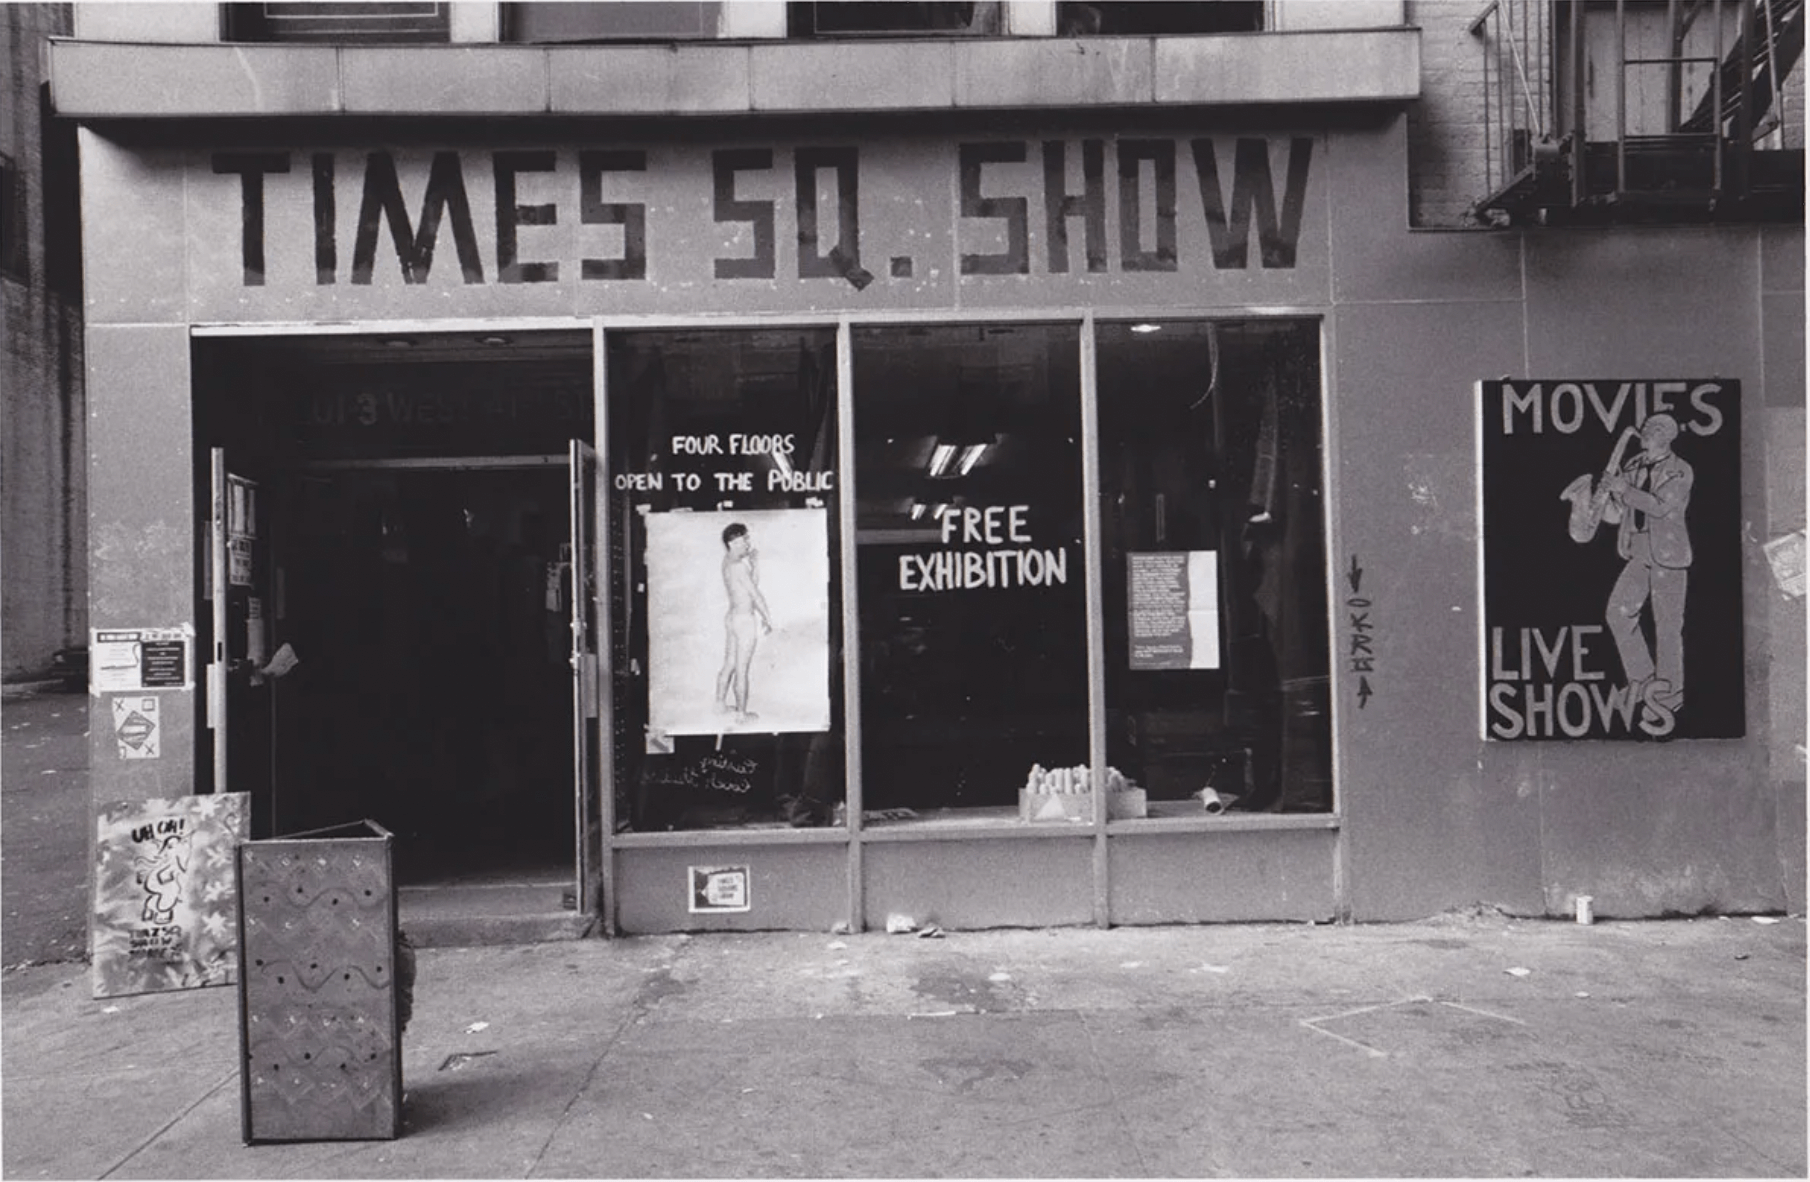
(1146, 328)
(493, 340)
(941, 457)
(949, 460)
(782, 463)
(399, 343)
(918, 509)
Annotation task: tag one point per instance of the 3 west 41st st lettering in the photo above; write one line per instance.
(1003, 186)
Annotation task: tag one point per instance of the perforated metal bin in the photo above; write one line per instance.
(320, 1023)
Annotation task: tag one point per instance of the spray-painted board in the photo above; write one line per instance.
(165, 915)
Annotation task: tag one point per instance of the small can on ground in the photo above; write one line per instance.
(1586, 909)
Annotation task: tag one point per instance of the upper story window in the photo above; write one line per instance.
(60, 204)
(892, 18)
(1136, 18)
(880, 18)
(577, 22)
(15, 260)
(385, 23)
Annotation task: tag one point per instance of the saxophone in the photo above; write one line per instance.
(1590, 506)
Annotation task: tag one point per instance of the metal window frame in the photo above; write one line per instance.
(853, 835)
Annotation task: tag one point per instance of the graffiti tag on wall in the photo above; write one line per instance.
(1360, 630)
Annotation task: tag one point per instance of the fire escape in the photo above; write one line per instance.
(1642, 110)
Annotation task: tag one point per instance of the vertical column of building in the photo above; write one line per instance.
(141, 478)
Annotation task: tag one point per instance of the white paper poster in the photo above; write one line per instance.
(124, 660)
(738, 622)
(1174, 601)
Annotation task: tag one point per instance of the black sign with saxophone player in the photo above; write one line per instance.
(1611, 540)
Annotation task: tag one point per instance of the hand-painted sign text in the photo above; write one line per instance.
(1020, 207)
(1612, 559)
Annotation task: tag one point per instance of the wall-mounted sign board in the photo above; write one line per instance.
(1611, 558)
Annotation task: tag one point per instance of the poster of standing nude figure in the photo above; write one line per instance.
(1612, 559)
(738, 622)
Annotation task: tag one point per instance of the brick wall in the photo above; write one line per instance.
(1446, 135)
(43, 448)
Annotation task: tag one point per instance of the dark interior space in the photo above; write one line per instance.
(692, 417)
(969, 680)
(410, 544)
(1210, 444)
(435, 694)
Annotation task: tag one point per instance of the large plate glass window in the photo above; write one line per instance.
(972, 599)
(1214, 564)
(726, 602)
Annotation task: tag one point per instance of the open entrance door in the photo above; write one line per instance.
(587, 732)
(239, 582)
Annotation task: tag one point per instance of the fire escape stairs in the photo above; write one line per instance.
(1707, 166)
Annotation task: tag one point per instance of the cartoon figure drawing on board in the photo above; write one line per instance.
(161, 876)
(745, 623)
(1654, 491)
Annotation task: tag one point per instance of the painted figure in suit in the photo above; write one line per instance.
(1653, 491)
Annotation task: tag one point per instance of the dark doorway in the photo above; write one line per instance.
(429, 608)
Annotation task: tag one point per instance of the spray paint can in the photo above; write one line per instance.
(1586, 909)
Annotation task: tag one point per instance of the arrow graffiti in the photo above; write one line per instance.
(1360, 633)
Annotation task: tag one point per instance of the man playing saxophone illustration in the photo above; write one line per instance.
(1653, 491)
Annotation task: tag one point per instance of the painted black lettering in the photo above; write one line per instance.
(1132, 255)
(725, 163)
(844, 258)
(593, 210)
(326, 219)
(383, 199)
(251, 167)
(1015, 211)
(1059, 204)
(510, 216)
(1252, 191)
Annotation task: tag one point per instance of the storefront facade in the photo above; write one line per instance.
(790, 521)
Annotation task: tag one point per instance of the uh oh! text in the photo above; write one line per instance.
(828, 212)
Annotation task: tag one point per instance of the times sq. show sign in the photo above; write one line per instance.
(1611, 559)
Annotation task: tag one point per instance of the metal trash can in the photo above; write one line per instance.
(323, 975)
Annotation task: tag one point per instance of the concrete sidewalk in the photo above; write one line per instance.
(1665, 1048)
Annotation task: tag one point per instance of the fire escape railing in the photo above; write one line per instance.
(1692, 112)
(1518, 91)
